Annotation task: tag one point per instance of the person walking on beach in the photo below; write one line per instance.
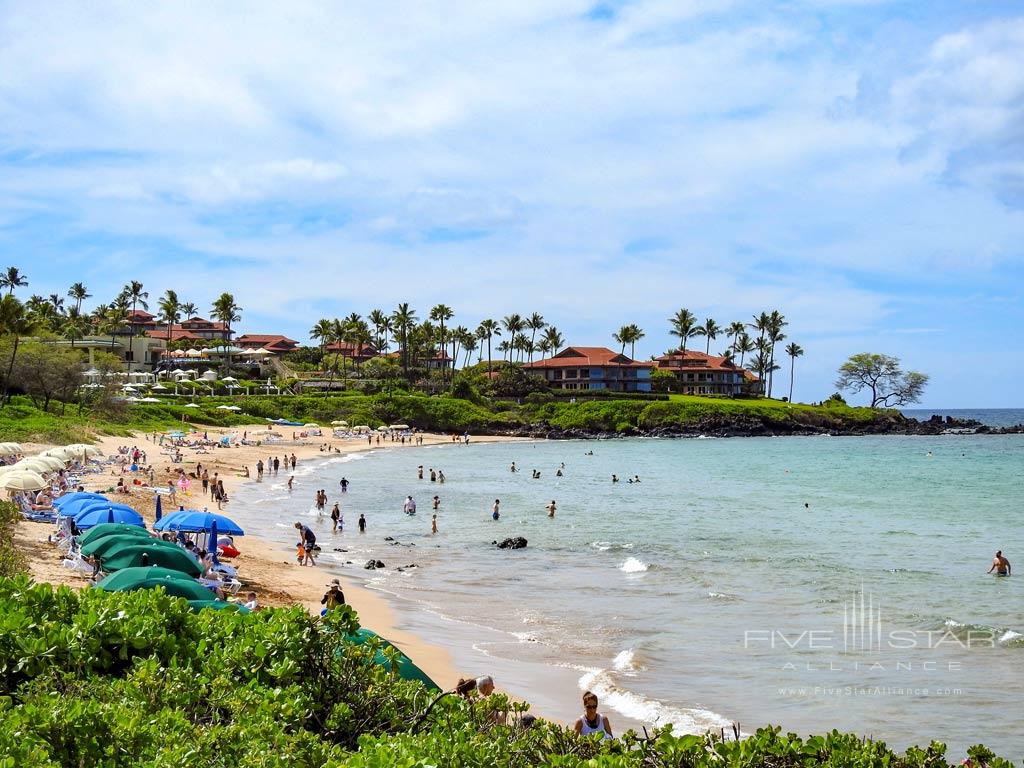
(259, 469)
(1000, 565)
(433, 523)
(335, 516)
(551, 508)
(206, 482)
(293, 462)
(495, 511)
(277, 464)
(592, 720)
(362, 523)
(307, 541)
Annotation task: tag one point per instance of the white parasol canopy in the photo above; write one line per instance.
(23, 481)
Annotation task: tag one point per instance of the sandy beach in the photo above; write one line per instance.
(265, 567)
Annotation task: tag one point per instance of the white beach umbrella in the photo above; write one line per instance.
(232, 408)
(193, 353)
(361, 428)
(150, 400)
(51, 461)
(23, 481)
(158, 388)
(399, 426)
(229, 378)
(311, 425)
(33, 465)
(9, 449)
(339, 423)
(223, 407)
(192, 405)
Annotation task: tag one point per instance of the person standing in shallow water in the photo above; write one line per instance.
(433, 523)
(362, 523)
(335, 516)
(551, 508)
(1000, 565)
(495, 510)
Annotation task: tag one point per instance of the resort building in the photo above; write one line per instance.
(274, 343)
(593, 368)
(703, 374)
(357, 353)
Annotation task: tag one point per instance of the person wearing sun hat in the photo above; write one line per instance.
(333, 597)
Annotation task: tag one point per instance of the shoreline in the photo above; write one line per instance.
(265, 566)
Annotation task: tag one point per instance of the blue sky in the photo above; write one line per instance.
(858, 165)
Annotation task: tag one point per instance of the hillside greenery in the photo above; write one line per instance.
(22, 421)
(114, 680)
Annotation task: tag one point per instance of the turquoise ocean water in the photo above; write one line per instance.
(815, 583)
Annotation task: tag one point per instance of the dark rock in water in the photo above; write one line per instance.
(389, 538)
(412, 565)
(372, 565)
(516, 543)
(339, 549)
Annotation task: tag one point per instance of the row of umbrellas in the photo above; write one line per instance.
(28, 473)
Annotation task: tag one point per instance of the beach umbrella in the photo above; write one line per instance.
(195, 521)
(311, 425)
(67, 498)
(339, 423)
(399, 426)
(174, 586)
(158, 388)
(128, 578)
(111, 513)
(37, 465)
(159, 509)
(229, 378)
(9, 449)
(103, 530)
(232, 408)
(107, 545)
(152, 553)
(50, 461)
(406, 669)
(217, 605)
(73, 507)
(22, 481)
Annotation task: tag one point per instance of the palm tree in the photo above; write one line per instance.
(382, 327)
(535, 323)
(189, 310)
(794, 351)
(744, 344)
(543, 347)
(134, 293)
(684, 325)
(734, 331)
(776, 322)
(12, 279)
(75, 326)
(57, 302)
(403, 320)
(111, 318)
(622, 338)
(170, 311)
(554, 339)
(459, 335)
(79, 293)
(439, 314)
(321, 332)
(469, 344)
(635, 334)
(485, 332)
(15, 321)
(41, 311)
(710, 329)
(227, 311)
(513, 324)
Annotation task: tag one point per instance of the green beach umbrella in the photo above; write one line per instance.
(106, 545)
(217, 605)
(406, 669)
(144, 553)
(131, 578)
(110, 529)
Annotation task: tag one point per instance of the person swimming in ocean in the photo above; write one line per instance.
(1000, 565)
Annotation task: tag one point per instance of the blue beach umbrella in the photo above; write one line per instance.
(211, 541)
(110, 513)
(74, 506)
(195, 521)
(159, 511)
(60, 501)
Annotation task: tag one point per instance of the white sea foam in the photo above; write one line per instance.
(632, 565)
(639, 707)
(626, 662)
(1009, 636)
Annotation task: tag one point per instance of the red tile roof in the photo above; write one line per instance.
(261, 339)
(696, 361)
(176, 334)
(572, 357)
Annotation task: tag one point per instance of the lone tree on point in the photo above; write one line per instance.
(882, 376)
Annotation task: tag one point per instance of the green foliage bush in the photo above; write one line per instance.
(137, 679)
